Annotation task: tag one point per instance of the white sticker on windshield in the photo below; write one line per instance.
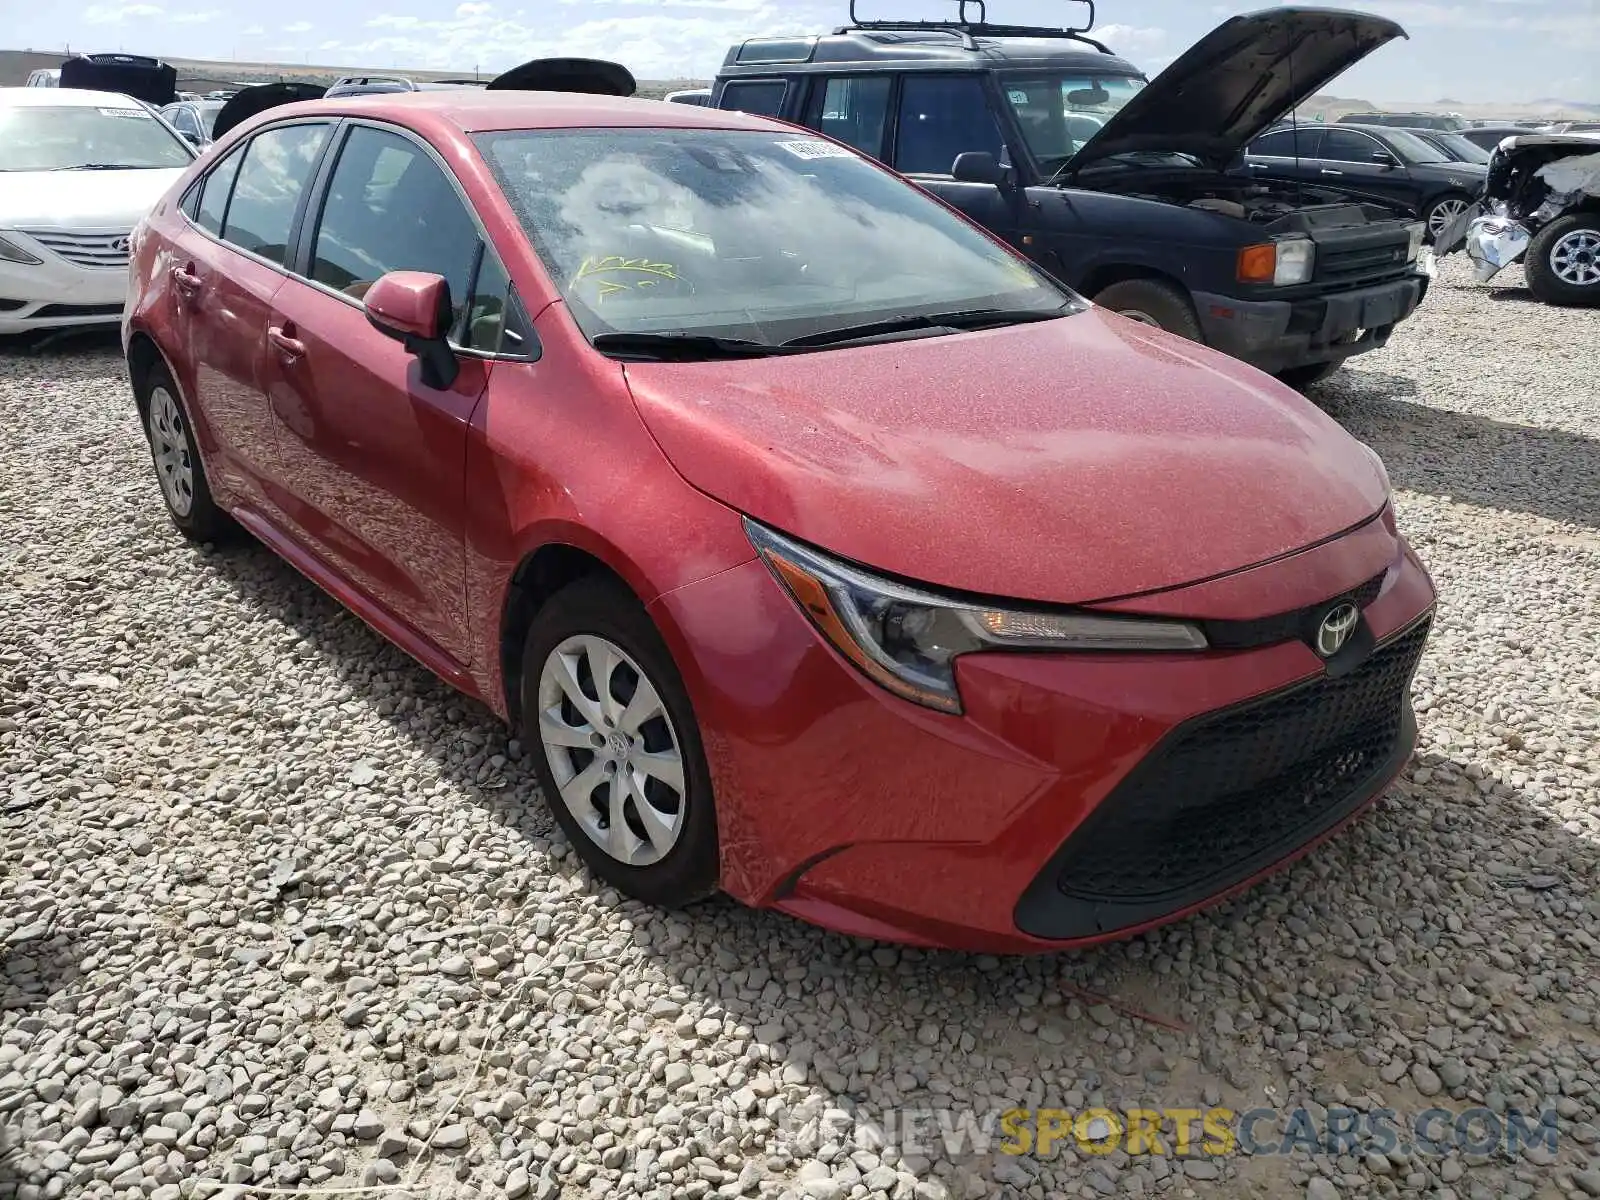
(811, 149)
(123, 112)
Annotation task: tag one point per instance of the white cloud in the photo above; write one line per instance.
(195, 18)
(253, 30)
(299, 27)
(1129, 39)
(472, 10)
(116, 14)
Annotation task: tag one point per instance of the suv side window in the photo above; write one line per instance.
(942, 116)
(759, 97)
(276, 170)
(852, 108)
(215, 189)
(390, 207)
(1347, 145)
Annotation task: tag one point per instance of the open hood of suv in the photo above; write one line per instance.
(243, 105)
(592, 76)
(1232, 84)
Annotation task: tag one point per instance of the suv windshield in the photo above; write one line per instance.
(115, 134)
(1058, 113)
(763, 237)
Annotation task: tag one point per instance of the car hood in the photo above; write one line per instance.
(1231, 85)
(1065, 461)
(92, 200)
(247, 102)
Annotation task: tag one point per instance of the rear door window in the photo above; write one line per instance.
(854, 109)
(761, 97)
(942, 116)
(277, 167)
(1288, 143)
(390, 207)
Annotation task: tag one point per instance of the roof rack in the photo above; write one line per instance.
(968, 30)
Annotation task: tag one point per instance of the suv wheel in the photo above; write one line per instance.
(1152, 302)
(1562, 263)
(176, 456)
(615, 745)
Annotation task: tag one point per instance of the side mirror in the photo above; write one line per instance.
(979, 166)
(1384, 159)
(413, 308)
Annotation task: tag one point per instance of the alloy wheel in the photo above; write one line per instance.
(169, 445)
(1443, 213)
(1575, 258)
(612, 748)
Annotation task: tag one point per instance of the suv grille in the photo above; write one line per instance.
(1225, 789)
(1361, 263)
(85, 249)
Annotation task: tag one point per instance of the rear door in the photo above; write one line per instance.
(1287, 154)
(227, 268)
(373, 459)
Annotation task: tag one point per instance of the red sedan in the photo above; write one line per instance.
(819, 549)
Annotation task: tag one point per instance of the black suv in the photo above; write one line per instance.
(1131, 194)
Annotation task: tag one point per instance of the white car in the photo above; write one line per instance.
(78, 169)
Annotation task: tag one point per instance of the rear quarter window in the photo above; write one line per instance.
(759, 97)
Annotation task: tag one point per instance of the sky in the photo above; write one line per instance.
(1474, 51)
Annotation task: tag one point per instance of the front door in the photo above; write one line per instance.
(373, 459)
(1348, 158)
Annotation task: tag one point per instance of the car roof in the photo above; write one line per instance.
(473, 110)
(932, 49)
(63, 97)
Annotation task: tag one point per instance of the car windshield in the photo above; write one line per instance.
(1461, 149)
(1413, 149)
(118, 133)
(764, 237)
(1059, 113)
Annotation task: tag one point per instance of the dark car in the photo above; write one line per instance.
(194, 119)
(1458, 148)
(1490, 136)
(1123, 190)
(1393, 163)
(1404, 120)
(146, 79)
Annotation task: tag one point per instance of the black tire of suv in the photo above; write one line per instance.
(1151, 301)
(1542, 279)
(205, 521)
(603, 607)
(1302, 377)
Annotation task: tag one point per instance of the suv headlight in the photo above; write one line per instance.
(1280, 263)
(907, 639)
(11, 252)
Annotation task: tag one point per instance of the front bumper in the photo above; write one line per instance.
(847, 807)
(1275, 335)
(56, 294)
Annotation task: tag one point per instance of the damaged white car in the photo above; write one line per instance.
(1540, 206)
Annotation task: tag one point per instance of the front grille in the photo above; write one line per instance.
(85, 249)
(1285, 627)
(79, 310)
(1225, 791)
(1361, 264)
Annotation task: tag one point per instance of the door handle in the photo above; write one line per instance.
(1327, 171)
(186, 280)
(287, 346)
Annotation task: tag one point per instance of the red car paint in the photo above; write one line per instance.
(1085, 460)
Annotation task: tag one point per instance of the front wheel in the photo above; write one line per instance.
(1153, 302)
(1562, 262)
(616, 747)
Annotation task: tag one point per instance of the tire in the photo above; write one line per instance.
(1562, 262)
(1153, 302)
(1302, 377)
(176, 457)
(567, 641)
(1442, 211)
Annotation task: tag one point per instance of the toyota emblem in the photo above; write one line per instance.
(122, 244)
(1336, 628)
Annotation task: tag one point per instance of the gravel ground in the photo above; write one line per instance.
(279, 910)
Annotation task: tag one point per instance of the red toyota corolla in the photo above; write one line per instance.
(818, 547)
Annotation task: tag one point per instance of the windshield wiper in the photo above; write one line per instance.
(681, 346)
(953, 322)
(107, 167)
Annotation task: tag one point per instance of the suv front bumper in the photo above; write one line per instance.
(1275, 335)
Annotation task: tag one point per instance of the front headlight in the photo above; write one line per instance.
(907, 639)
(11, 252)
(1280, 263)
